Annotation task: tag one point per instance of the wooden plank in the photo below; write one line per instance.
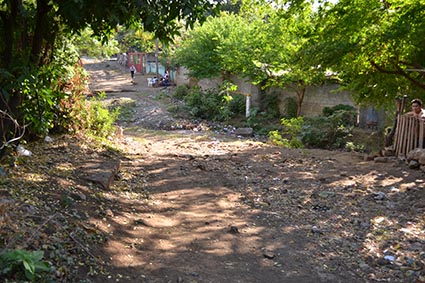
(421, 133)
(402, 136)
(409, 135)
(397, 135)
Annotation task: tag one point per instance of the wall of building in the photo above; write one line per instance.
(316, 98)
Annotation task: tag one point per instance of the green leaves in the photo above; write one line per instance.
(371, 44)
(14, 263)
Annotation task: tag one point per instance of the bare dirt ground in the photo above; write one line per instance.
(225, 209)
(205, 206)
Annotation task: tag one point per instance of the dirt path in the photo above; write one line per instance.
(204, 207)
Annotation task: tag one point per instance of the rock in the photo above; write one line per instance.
(245, 132)
(109, 213)
(48, 139)
(416, 154)
(78, 196)
(268, 254)
(233, 230)
(380, 159)
(379, 196)
(326, 194)
(316, 230)
(100, 172)
(413, 164)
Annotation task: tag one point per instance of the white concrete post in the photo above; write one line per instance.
(248, 105)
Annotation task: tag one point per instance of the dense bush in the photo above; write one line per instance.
(99, 120)
(181, 91)
(329, 132)
(213, 104)
(347, 113)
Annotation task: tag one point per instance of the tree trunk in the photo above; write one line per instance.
(40, 32)
(300, 99)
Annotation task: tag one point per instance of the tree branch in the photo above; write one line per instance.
(399, 71)
(17, 126)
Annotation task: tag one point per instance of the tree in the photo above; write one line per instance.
(89, 45)
(33, 31)
(375, 47)
(262, 43)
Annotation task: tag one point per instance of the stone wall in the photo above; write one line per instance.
(316, 97)
(244, 86)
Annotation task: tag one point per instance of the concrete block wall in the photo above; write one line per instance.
(316, 97)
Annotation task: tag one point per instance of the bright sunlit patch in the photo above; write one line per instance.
(34, 177)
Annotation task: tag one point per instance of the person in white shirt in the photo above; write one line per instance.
(132, 72)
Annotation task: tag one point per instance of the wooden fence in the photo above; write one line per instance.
(409, 134)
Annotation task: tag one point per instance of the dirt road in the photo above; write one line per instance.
(197, 206)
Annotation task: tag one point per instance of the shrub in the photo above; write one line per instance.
(22, 265)
(99, 120)
(213, 104)
(181, 91)
(326, 132)
(347, 113)
(289, 135)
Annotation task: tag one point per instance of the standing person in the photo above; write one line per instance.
(132, 72)
(166, 79)
(417, 110)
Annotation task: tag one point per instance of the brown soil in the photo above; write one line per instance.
(202, 206)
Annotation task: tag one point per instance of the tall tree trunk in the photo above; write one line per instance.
(300, 99)
(40, 32)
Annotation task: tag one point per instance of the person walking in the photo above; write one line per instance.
(132, 72)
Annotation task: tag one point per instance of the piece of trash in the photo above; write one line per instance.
(389, 258)
(22, 151)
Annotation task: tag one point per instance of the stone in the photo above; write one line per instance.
(379, 196)
(233, 230)
(380, 159)
(269, 254)
(245, 132)
(416, 154)
(316, 230)
(99, 172)
(78, 196)
(414, 164)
